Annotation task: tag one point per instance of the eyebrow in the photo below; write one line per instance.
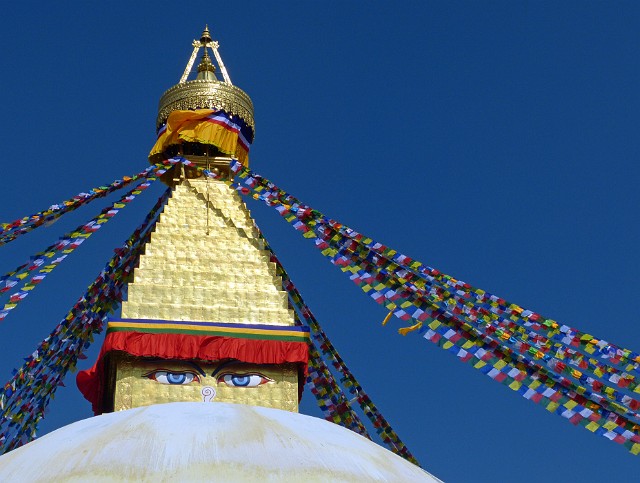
(192, 364)
(223, 364)
(196, 367)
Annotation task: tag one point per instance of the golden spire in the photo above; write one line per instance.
(206, 70)
(206, 91)
(206, 39)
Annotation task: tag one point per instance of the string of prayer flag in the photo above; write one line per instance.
(25, 397)
(10, 231)
(32, 273)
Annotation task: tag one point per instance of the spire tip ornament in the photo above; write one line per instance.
(206, 91)
(206, 70)
(205, 39)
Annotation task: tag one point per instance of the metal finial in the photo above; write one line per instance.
(205, 63)
(205, 69)
(205, 39)
(206, 92)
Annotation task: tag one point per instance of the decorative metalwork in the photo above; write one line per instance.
(225, 74)
(203, 94)
(192, 59)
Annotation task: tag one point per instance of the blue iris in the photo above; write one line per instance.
(176, 377)
(240, 380)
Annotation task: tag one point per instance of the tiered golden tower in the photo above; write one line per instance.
(206, 318)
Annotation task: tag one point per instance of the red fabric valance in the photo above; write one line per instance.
(185, 347)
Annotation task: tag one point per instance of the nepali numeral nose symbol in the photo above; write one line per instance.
(208, 393)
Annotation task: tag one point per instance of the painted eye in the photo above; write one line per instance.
(244, 380)
(173, 378)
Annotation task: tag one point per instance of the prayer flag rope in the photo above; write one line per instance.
(331, 399)
(330, 396)
(566, 382)
(456, 303)
(389, 287)
(24, 398)
(460, 296)
(605, 418)
(399, 298)
(46, 261)
(10, 231)
(503, 327)
(383, 428)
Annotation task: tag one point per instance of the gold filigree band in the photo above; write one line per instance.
(205, 94)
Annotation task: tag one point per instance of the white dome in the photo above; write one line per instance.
(205, 442)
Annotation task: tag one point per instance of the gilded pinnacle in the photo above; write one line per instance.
(205, 39)
(205, 63)
(211, 94)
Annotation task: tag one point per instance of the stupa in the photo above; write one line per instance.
(200, 377)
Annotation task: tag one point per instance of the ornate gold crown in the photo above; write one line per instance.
(206, 91)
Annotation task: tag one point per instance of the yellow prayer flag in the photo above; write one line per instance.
(552, 407)
(592, 426)
(500, 364)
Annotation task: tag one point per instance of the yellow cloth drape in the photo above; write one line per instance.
(197, 126)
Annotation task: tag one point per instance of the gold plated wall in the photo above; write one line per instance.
(141, 382)
(204, 263)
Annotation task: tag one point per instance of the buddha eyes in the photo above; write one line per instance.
(173, 378)
(244, 380)
(181, 378)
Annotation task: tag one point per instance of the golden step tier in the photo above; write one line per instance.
(199, 248)
(204, 278)
(178, 227)
(225, 296)
(196, 264)
(201, 313)
(189, 221)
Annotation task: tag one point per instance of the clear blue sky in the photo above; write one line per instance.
(497, 142)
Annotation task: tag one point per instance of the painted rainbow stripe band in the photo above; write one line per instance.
(238, 331)
(233, 124)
